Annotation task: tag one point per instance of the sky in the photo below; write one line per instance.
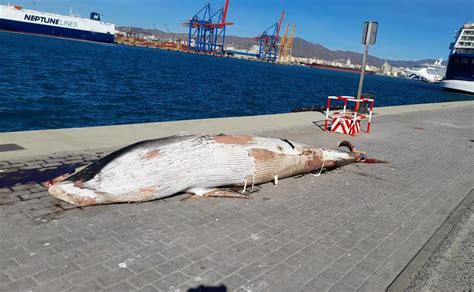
(408, 29)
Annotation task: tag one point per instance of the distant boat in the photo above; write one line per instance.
(460, 72)
(17, 19)
(427, 72)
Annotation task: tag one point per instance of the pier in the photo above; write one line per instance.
(357, 228)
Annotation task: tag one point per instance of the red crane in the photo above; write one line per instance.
(269, 40)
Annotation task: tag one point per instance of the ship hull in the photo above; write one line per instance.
(460, 73)
(54, 31)
(458, 86)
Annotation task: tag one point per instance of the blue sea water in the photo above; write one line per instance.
(48, 83)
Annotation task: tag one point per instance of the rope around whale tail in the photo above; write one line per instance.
(363, 156)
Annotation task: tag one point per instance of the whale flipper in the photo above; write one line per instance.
(217, 193)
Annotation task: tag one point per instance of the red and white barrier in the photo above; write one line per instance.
(345, 125)
(348, 122)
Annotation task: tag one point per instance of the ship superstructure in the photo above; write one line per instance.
(17, 19)
(460, 71)
(427, 72)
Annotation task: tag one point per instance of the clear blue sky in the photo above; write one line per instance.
(409, 29)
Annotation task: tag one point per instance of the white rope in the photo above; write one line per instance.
(245, 186)
(253, 182)
(321, 170)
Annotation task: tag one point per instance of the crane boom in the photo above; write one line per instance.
(292, 38)
(224, 13)
(279, 24)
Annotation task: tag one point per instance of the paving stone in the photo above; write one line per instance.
(151, 249)
(51, 164)
(286, 285)
(10, 200)
(174, 251)
(86, 274)
(207, 279)
(340, 287)
(343, 264)
(253, 270)
(277, 273)
(125, 247)
(316, 285)
(335, 252)
(113, 277)
(11, 252)
(369, 265)
(65, 246)
(319, 263)
(65, 257)
(25, 187)
(35, 243)
(8, 265)
(28, 270)
(357, 254)
(20, 285)
(53, 273)
(170, 282)
(144, 263)
(38, 189)
(92, 259)
(233, 282)
(36, 195)
(354, 279)
(380, 254)
(330, 275)
(198, 254)
(4, 278)
(122, 286)
(172, 265)
(305, 273)
(5, 191)
(273, 258)
(148, 289)
(228, 267)
(144, 279)
(56, 285)
(199, 267)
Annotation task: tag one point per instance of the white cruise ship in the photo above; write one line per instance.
(460, 72)
(427, 72)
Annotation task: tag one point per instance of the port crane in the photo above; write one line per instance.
(207, 30)
(168, 30)
(285, 46)
(269, 38)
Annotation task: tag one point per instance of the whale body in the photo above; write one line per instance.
(197, 164)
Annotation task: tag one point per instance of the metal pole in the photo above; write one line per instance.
(362, 70)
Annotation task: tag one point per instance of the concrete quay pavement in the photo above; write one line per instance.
(351, 229)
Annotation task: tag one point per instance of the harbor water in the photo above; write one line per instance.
(48, 83)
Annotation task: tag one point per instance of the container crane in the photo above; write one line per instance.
(170, 33)
(286, 45)
(207, 30)
(268, 50)
(283, 43)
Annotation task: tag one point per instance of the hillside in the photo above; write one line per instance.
(301, 48)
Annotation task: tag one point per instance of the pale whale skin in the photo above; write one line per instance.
(197, 164)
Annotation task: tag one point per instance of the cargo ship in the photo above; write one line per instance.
(17, 19)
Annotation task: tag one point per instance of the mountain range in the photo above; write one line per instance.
(301, 48)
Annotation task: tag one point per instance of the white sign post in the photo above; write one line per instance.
(369, 36)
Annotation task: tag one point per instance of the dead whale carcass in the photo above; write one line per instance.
(196, 164)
